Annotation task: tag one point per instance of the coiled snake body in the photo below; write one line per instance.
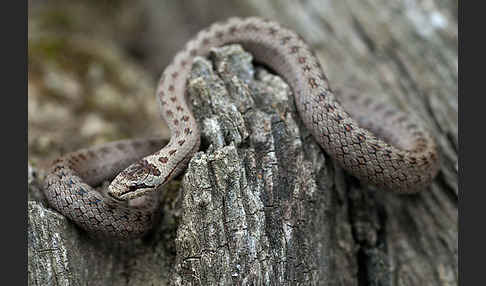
(127, 209)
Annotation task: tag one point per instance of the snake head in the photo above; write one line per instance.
(137, 180)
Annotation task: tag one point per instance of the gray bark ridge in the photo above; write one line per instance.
(256, 202)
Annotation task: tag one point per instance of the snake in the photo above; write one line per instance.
(378, 144)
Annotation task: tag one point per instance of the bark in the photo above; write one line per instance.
(261, 203)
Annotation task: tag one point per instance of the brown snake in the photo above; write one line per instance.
(400, 157)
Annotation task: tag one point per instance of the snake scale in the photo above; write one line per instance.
(399, 155)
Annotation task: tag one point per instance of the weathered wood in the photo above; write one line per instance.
(254, 203)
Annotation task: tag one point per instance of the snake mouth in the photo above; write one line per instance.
(135, 191)
(130, 192)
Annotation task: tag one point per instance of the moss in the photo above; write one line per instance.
(56, 19)
(67, 72)
(62, 52)
(74, 57)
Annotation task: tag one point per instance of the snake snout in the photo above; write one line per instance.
(123, 190)
(117, 190)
